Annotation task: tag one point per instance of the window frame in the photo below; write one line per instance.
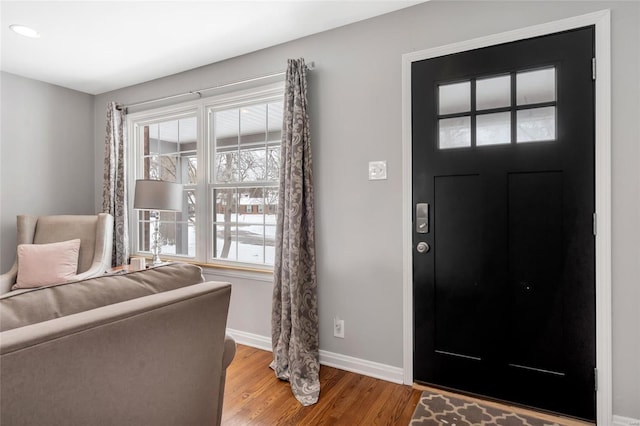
(200, 108)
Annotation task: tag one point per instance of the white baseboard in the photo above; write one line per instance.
(330, 359)
(625, 421)
(362, 366)
(250, 339)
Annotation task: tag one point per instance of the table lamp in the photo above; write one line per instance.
(157, 196)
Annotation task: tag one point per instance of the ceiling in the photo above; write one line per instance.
(99, 46)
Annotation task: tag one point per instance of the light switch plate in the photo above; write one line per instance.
(377, 170)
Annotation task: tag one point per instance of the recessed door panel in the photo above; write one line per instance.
(535, 270)
(458, 329)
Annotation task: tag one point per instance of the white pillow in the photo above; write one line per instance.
(46, 264)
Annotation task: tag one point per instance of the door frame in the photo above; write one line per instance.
(602, 22)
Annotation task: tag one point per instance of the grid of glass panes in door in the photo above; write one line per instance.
(169, 154)
(496, 110)
(244, 181)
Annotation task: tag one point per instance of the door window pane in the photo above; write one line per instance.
(454, 132)
(536, 124)
(493, 92)
(534, 87)
(493, 129)
(453, 98)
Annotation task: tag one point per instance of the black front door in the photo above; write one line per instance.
(503, 190)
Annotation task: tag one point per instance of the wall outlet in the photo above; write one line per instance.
(338, 327)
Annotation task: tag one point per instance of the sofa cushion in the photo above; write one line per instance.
(46, 264)
(21, 308)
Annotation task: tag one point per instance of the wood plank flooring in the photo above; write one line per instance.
(254, 396)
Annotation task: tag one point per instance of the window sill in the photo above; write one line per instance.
(237, 272)
(233, 271)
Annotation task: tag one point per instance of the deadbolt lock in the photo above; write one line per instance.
(422, 247)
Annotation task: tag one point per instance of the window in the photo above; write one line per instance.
(245, 146)
(167, 151)
(226, 153)
(498, 110)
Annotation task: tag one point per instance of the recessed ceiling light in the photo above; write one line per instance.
(24, 30)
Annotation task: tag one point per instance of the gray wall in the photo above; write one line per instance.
(46, 154)
(355, 101)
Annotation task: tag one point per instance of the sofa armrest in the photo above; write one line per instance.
(102, 251)
(229, 351)
(8, 279)
(151, 360)
(95, 270)
(227, 356)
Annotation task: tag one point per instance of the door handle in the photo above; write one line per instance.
(422, 218)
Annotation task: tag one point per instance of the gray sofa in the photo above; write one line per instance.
(141, 348)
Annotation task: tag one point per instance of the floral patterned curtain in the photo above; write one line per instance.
(294, 320)
(114, 186)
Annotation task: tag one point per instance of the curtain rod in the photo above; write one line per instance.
(310, 66)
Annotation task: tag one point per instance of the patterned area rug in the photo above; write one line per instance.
(442, 410)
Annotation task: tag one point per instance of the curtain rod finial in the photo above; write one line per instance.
(311, 65)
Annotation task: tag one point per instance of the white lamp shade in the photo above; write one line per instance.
(157, 195)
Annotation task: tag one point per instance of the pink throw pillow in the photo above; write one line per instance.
(46, 264)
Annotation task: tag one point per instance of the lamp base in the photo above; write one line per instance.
(155, 249)
(156, 260)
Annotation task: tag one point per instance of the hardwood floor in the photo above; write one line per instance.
(254, 396)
